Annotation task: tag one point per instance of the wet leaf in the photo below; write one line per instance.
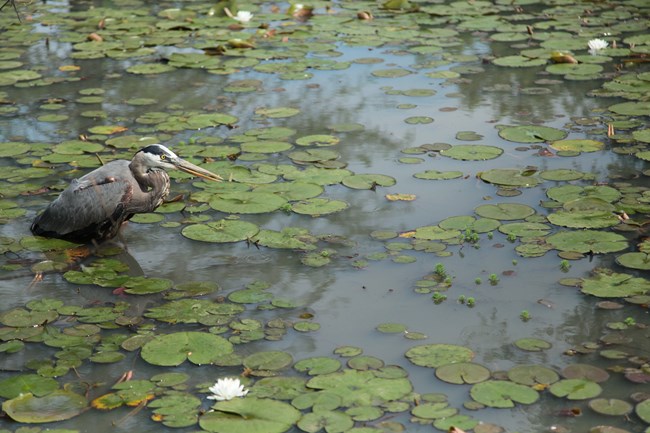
(173, 349)
(503, 394)
(435, 355)
(58, 405)
(575, 389)
(221, 231)
(472, 152)
(462, 372)
(250, 415)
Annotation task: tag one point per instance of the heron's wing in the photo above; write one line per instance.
(92, 207)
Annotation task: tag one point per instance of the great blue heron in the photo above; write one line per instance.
(93, 207)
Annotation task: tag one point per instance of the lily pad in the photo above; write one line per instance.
(33, 384)
(318, 206)
(531, 134)
(634, 260)
(610, 406)
(505, 211)
(578, 145)
(245, 202)
(197, 347)
(271, 360)
(318, 365)
(472, 152)
(221, 231)
(250, 415)
(588, 241)
(332, 422)
(368, 181)
(438, 175)
(509, 177)
(606, 284)
(58, 405)
(435, 355)
(503, 394)
(532, 375)
(462, 372)
(575, 389)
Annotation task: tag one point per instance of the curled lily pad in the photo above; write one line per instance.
(58, 405)
(472, 152)
(250, 415)
(197, 347)
(503, 394)
(221, 231)
(634, 260)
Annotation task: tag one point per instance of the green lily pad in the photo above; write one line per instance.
(438, 175)
(584, 218)
(332, 422)
(472, 152)
(434, 410)
(318, 140)
(292, 191)
(610, 406)
(150, 68)
(197, 347)
(368, 181)
(578, 145)
(585, 371)
(566, 193)
(318, 365)
(391, 328)
(561, 174)
(271, 360)
(435, 355)
(588, 241)
(632, 261)
(250, 415)
(532, 375)
(361, 387)
(532, 344)
(19, 317)
(631, 108)
(245, 202)
(505, 211)
(607, 284)
(643, 410)
(14, 386)
(509, 177)
(518, 61)
(277, 112)
(575, 389)
(318, 206)
(531, 134)
(462, 372)
(147, 286)
(503, 394)
(58, 405)
(221, 231)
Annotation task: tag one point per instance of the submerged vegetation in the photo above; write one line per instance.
(83, 83)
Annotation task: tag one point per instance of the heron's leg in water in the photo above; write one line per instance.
(13, 3)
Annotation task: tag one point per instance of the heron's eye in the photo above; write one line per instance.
(163, 157)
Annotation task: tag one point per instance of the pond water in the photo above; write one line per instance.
(399, 98)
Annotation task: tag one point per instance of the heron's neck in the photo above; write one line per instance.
(142, 174)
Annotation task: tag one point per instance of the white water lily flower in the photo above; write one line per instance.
(596, 45)
(243, 16)
(227, 389)
(298, 6)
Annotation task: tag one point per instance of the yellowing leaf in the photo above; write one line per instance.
(69, 68)
(408, 234)
(400, 197)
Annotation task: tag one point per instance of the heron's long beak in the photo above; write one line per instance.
(195, 170)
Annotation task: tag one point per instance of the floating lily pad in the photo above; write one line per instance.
(643, 410)
(14, 386)
(532, 375)
(575, 389)
(332, 422)
(250, 415)
(318, 365)
(566, 193)
(503, 394)
(271, 360)
(634, 260)
(197, 347)
(509, 177)
(245, 202)
(438, 175)
(434, 410)
(361, 387)
(588, 241)
(518, 61)
(462, 372)
(435, 355)
(531, 134)
(505, 211)
(221, 231)
(58, 405)
(532, 344)
(610, 406)
(472, 152)
(150, 68)
(277, 112)
(579, 145)
(561, 174)
(606, 284)
(319, 206)
(368, 181)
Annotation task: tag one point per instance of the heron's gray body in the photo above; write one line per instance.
(94, 206)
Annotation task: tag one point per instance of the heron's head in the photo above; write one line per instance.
(158, 156)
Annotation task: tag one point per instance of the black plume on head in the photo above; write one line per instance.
(154, 149)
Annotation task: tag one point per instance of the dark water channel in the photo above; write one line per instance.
(347, 301)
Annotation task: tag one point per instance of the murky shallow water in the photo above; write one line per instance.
(349, 303)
